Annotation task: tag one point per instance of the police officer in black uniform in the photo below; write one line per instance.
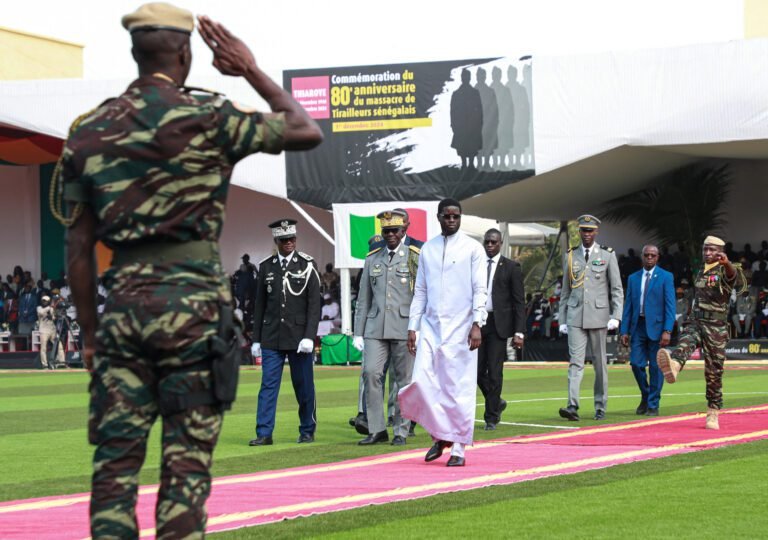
(287, 311)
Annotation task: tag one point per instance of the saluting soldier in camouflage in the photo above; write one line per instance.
(147, 173)
(707, 324)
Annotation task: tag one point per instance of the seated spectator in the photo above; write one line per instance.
(743, 316)
(329, 315)
(748, 254)
(27, 310)
(666, 261)
(330, 280)
(764, 249)
(761, 314)
(759, 278)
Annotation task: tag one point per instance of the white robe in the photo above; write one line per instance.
(449, 295)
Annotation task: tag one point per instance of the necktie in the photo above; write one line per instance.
(645, 292)
(283, 264)
(391, 254)
(488, 275)
(586, 255)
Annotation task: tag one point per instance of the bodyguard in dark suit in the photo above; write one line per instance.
(506, 318)
(286, 315)
(649, 315)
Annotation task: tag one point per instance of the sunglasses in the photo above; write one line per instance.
(390, 230)
(286, 240)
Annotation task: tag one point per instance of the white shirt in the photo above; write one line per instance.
(643, 278)
(591, 250)
(494, 265)
(286, 259)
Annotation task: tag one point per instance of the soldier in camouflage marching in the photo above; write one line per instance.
(707, 324)
(147, 174)
(286, 315)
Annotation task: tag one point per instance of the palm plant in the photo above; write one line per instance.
(680, 209)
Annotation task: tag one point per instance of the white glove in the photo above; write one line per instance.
(305, 346)
(564, 329)
(358, 343)
(613, 324)
(256, 349)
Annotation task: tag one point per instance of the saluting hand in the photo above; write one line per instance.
(230, 55)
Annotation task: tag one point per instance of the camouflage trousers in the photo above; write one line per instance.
(712, 337)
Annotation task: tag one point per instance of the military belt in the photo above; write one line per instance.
(163, 252)
(710, 315)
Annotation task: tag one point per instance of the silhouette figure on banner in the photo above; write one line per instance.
(490, 120)
(521, 121)
(506, 129)
(528, 85)
(466, 121)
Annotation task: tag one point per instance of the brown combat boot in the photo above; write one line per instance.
(668, 365)
(712, 422)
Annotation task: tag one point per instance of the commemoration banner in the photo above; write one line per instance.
(416, 131)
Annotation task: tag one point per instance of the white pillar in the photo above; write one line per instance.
(346, 302)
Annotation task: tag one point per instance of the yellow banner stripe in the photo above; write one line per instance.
(373, 125)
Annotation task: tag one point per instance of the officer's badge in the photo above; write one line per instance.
(269, 288)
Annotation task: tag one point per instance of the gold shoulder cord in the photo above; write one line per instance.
(576, 281)
(57, 205)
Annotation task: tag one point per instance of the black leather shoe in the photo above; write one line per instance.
(260, 441)
(502, 406)
(570, 413)
(436, 451)
(489, 426)
(375, 438)
(390, 421)
(361, 425)
(354, 419)
(599, 414)
(305, 438)
(397, 440)
(412, 430)
(652, 412)
(642, 408)
(455, 461)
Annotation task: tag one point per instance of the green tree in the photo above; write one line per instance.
(681, 209)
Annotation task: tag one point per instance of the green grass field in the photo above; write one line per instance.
(710, 494)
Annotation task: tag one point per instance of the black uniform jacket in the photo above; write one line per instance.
(287, 307)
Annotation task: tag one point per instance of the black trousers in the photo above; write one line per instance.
(490, 369)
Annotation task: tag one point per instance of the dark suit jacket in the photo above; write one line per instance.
(508, 298)
(281, 321)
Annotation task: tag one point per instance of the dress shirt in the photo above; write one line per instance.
(494, 265)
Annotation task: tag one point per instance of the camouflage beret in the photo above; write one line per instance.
(159, 16)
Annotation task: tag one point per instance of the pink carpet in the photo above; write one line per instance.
(265, 497)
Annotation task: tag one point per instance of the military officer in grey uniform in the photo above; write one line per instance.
(381, 323)
(591, 304)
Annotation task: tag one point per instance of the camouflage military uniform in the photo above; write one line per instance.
(707, 326)
(154, 166)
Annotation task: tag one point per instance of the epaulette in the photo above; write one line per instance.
(606, 248)
(571, 248)
(189, 89)
(304, 256)
(414, 248)
(106, 102)
(265, 259)
(376, 250)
